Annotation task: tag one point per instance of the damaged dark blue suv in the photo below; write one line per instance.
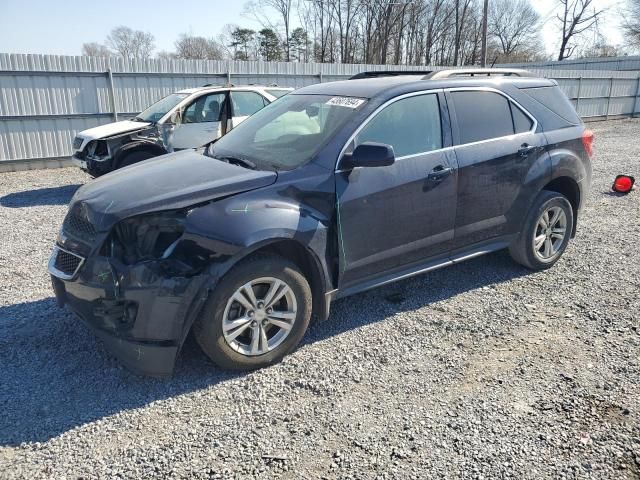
(333, 189)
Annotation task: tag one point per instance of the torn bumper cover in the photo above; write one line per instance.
(141, 316)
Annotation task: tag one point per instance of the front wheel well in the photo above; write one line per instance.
(308, 265)
(134, 147)
(568, 187)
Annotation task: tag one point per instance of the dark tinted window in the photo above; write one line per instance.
(555, 100)
(521, 122)
(482, 115)
(411, 125)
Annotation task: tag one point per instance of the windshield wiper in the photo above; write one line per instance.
(138, 119)
(243, 162)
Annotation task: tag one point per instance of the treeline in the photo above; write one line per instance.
(413, 32)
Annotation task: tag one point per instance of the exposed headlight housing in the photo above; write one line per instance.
(146, 237)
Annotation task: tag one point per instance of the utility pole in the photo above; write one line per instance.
(485, 15)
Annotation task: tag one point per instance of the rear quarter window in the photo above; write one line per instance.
(555, 100)
(521, 122)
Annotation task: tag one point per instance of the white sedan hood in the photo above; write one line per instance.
(111, 129)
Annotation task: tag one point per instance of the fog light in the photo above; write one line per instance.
(623, 184)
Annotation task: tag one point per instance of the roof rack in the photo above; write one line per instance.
(472, 72)
(449, 73)
(389, 73)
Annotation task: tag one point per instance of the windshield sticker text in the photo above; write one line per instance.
(348, 102)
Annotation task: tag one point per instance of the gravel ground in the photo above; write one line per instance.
(481, 370)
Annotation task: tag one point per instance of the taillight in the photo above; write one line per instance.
(587, 141)
(623, 183)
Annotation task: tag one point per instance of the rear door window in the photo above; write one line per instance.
(482, 115)
(246, 104)
(411, 125)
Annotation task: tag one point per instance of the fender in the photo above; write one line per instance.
(538, 175)
(232, 228)
(564, 162)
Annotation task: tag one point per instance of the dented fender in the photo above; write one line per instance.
(233, 228)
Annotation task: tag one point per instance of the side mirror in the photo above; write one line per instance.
(369, 154)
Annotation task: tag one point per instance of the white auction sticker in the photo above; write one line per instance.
(348, 102)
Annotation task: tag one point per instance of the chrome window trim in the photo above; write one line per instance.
(382, 107)
(60, 274)
(435, 91)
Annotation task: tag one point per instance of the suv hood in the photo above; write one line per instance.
(172, 181)
(111, 129)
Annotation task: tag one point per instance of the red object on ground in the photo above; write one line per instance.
(623, 184)
(587, 140)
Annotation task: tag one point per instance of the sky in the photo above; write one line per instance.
(62, 26)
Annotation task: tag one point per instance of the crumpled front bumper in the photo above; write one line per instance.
(93, 166)
(141, 316)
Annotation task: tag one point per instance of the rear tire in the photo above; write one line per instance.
(546, 232)
(258, 313)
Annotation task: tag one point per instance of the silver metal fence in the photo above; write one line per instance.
(629, 63)
(46, 99)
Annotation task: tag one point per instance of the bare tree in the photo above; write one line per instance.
(435, 32)
(131, 44)
(576, 17)
(461, 10)
(631, 23)
(198, 48)
(95, 49)
(255, 9)
(513, 23)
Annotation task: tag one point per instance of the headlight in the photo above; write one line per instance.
(146, 237)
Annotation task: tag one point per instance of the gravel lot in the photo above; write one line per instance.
(481, 370)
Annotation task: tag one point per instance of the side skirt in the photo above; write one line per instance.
(456, 256)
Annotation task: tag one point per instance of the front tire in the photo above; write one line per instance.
(257, 314)
(546, 232)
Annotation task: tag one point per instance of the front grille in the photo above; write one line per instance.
(64, 264)
(77, 143)
(78, 225)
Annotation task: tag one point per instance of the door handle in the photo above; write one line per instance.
(439, 173)
(526, 149)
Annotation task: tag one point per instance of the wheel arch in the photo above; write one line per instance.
(136, 146)
(568, 187)
(303, 257)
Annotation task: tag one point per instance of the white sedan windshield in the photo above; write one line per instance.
(159, 109)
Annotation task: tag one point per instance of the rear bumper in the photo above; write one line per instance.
(142, 318)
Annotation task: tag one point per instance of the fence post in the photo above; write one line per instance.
(320, 76)
(609, 98)
(112, 94)
(636, 103)
(229, 73)
(579, 95)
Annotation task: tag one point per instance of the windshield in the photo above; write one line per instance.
(159, 109)
(287, 133)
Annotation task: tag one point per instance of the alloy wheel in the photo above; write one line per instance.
(259, 316)
(550, 233)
